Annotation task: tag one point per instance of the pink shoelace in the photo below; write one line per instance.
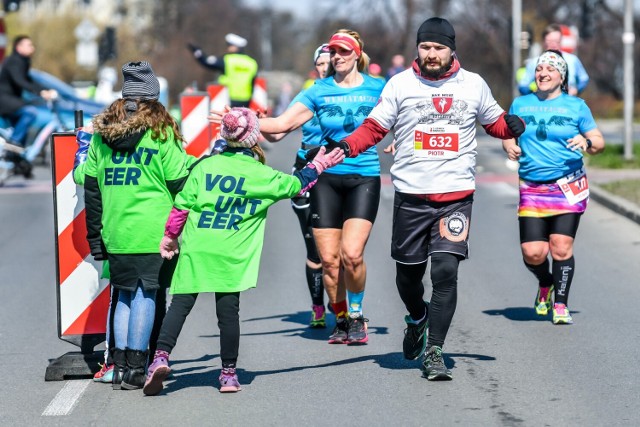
(560, 309)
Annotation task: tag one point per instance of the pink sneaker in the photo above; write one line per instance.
(561, 315)
(229, 381)
(104, 375)
(158, 372)
(543, 300)
(318, 317)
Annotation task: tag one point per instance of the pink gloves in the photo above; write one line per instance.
(324, 161)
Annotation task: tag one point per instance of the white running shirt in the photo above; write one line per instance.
(435, 129)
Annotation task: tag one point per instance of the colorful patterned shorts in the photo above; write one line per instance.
(543, 200)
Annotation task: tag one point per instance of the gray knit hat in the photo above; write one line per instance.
(139, 81)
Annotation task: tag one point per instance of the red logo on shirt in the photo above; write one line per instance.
(442, 103)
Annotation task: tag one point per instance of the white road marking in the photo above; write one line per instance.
(66, 398)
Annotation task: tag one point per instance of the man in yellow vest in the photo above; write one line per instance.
(238, 69)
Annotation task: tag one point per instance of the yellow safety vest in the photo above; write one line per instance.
(239, 71)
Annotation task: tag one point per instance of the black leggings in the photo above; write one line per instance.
(227, 310)
(301, 207)
(444, 279)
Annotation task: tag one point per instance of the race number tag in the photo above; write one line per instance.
(575, 187)
(436, 142)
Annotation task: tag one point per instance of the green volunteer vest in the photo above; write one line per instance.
(239, 71)
(227, 197)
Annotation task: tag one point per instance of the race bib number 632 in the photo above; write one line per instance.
(436, 142)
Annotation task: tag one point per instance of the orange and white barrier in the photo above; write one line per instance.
(195, 125)
(82, 296)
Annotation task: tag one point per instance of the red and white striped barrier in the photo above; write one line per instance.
(83, 298)
(195, 125)
(199, 134)
(259, 99)
(218, 99)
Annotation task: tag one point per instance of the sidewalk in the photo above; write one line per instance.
(616, 203)
(613, 130)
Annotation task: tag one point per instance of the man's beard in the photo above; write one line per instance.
(435, 73)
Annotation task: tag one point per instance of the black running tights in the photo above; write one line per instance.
(444, 279)
(227, 310)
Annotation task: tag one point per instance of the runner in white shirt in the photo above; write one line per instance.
(432, 109)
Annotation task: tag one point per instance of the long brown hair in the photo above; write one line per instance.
(156, 115)
(363, 60)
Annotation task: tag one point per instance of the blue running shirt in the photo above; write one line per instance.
(545, 156)
(340, 111)
(311, 131)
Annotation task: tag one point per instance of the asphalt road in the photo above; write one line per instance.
(510, 367)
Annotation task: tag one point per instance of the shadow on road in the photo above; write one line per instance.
(302, 318)
(521, 314)
(204, 376)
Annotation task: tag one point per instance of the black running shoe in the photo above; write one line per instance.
(415, 338)
(340, 332)
(433, 367)
(357, 329)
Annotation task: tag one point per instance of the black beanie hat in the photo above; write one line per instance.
(437, 30)
(139, 81)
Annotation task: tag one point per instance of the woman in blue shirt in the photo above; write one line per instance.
(553, 185)
(344, 203)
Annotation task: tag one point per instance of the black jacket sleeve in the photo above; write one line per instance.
(93, 207)
(206, 61)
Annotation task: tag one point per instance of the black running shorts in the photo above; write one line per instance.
(538, 229)
(337, 198)
(422, 227)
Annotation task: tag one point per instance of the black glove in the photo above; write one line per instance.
(98, 250)
(331, 144)
(515, 124)
(197, 52)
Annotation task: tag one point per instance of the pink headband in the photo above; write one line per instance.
(345, 41)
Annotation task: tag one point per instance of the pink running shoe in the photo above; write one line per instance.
(104, 375)
(158, 372)
(229, 381)
(543, 300)
(561, 315)
(318, 317)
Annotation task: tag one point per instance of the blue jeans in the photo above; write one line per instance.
(133, 319)
(23, 119)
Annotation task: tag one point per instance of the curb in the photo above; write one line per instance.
(615, 203)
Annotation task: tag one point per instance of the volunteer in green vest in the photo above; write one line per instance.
(238, 69)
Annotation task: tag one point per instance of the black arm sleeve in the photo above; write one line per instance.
(93, 208)
(217, 65)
